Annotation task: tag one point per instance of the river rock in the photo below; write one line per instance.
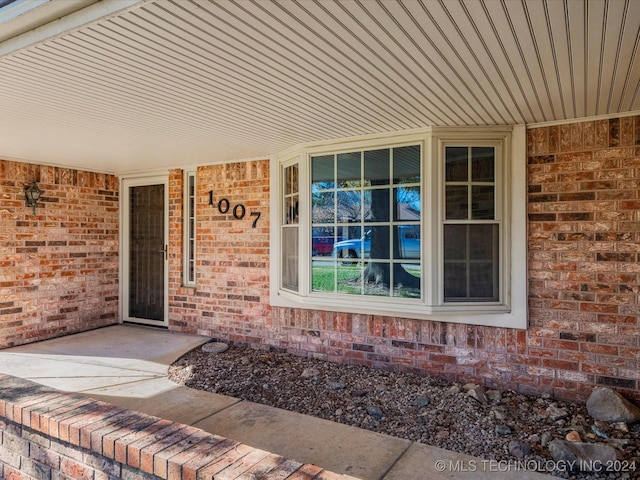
(310, 372)
(494, 395)
(420, 401)
(503, 430)
(335, 385)
(586, 457)
(556, 413)
(478, 394)
(215, 347)
(375, 411)
(519, 449)
(621, 427)
(599, 431)
(573, 436)
(609, 406)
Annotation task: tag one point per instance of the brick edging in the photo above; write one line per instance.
(44, 430)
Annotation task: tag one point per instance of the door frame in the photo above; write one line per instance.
(125, 184)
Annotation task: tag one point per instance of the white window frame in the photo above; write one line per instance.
(510, 311)
(189, 238)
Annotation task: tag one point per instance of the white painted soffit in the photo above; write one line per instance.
(172, 82)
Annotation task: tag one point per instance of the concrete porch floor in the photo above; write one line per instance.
(127, 366)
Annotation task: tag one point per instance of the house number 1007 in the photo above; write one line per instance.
(239, 211)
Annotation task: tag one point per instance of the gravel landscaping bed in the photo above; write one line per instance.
(495, 425)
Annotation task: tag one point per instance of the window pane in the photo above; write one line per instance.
(455, 242)
(407, 280)
(407, 242)
(482, 206)
(291, 210)
(350, 278)
(456, 164)
(482, 164)
(376, 167)
(471, 263)
(349, 206)
(190, 230)
(323, 277)
(192, 185)
(455, 282)
(290, 258)
(376, 205)
(375, 274)
(482, 282)
(349, 169)
(376, 243)
(485, 243)
(352, 244)
(407, 204)
(322, 240)
(353, 216)
(322, 173)
(291, 180)
(457, 202)
(323, 207)
(406, 164)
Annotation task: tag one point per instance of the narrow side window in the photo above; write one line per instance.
(189, 268)
(290, 223)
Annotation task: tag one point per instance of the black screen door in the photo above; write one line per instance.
(146, 296)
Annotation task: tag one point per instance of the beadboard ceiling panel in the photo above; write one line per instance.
(126, 85)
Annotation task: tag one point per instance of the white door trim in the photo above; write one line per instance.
(125, 184)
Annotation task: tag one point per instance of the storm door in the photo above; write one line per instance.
(145, 232)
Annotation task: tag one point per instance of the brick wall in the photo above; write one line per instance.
(584, 244)
(46, 434)
(584, 252)
(59, 268)
(232, 257)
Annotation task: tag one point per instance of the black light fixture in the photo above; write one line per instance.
(32, 194)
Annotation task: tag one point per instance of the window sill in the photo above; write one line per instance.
(486, 315)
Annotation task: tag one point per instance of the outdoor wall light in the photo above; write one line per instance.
(32, 194)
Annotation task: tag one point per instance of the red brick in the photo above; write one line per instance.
(543, 352)
(75, 469)
(598, 307)
(83, 421)
(96, 435)
(599, 348)
(560, 344)
(305, 472)
(121, 444)
(97, 269)
(153, 434)
(618, 319)
(11, 473)
(242, 464)
(223, 461)
(559, 364)
(138, 422)
(176, 454)
(599, 369)
(174, 434)
(107, 420)
(57, 418)
(438, 358)
(207, 453)
(630, 352)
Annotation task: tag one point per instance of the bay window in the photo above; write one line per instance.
(424, 224)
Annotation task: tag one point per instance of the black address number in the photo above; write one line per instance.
(239, 211)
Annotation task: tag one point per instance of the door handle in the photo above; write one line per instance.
(164, 250)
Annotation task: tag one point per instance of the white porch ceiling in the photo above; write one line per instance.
(122, 85)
